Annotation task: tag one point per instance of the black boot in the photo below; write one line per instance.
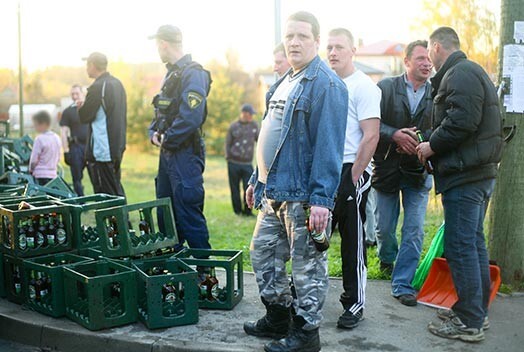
(274, 324)
(298, 339)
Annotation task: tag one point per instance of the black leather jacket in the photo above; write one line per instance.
(467, 126)
(390, 166)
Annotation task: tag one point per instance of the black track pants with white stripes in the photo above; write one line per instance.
(350, 214)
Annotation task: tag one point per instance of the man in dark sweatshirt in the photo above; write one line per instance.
(240, 145)
(104, 109)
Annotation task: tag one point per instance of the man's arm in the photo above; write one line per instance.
(229, 140)
(88, 108)
(463, 112)
(65, 132)
(370, 136)
(193, 100)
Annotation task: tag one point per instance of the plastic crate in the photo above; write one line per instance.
(15, 200)
(10, 190)
(50, 269)
(100, 294)
(118, 239)
(226, 296)
(84, 222)
(166, 300)
(11, 218)
(14, 279)
(90, 252)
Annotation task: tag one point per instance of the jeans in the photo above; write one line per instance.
(77, 165)
(414, 202)
(239, 173)
(465, 249)
(281, 234)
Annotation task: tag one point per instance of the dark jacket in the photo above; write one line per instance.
(467, 126)
(240, 141)
(392, 167)
(115, 107)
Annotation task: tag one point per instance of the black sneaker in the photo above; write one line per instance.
(408, 300)
(455, 329)
(349, 320)
(447, 314)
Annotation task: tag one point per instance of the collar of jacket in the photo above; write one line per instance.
(310, 74)
(183, 61)
(102, 76)
(451, 61)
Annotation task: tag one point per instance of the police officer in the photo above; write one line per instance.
(180, 111)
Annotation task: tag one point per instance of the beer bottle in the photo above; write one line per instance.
(41, 289)
(17, 281)
(50, 234)
(209, 286)
(143, 225)
(32, 286)
(320, 239)
(113, 232)
(428, 165)
(30, 234)
(22, 238)
(61, 234)
(169, 292)
(40, 238)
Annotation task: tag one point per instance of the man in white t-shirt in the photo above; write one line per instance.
(362, 135)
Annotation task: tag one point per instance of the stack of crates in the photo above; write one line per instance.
(216, 291)
(100, 294)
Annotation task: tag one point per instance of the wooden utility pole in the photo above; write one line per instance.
(20, 76)
(506, 233)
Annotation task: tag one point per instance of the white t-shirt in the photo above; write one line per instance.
(272, 125)
(363, 103)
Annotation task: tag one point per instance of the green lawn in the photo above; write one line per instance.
(227, 230)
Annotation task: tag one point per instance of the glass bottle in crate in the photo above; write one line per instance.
(41, 287)
(41, 240)
(22, 237)
(32, 286)
(17, 280)
(112, 231)
(50, 234)
(209, 288)
(61, 234)
(169, 298)
(31, 235)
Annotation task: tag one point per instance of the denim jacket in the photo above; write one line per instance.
(308, 159)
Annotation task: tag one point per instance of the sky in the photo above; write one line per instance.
(61, 32)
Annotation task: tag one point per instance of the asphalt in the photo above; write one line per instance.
(388, 326)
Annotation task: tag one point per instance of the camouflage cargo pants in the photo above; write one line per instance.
(281, 234)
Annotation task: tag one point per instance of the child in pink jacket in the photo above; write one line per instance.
(46, 150)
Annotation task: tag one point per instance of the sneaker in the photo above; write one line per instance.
(455, 329)
(446, 314)
(408, 300)
(349, 320)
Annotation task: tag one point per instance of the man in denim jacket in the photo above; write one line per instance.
(299, 156)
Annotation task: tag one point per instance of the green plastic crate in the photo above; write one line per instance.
(15, 200)
(84, 222)
(90, 252)
(10, 240)
(53, 302)
(2, 276)
(158, 308)
(228, 295)
(10, 190)
(130, 242)
(100, 294)
(16, 178)
(14, 287)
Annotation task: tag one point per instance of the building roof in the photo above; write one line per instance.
(368, 70)
(382, 48)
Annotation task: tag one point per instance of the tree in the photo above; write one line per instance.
(506, 233)
(475, 24)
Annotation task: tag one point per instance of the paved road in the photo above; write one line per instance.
(8, 346)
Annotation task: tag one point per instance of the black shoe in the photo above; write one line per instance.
(408, 300)
(386, 268)
(349, 320)
(274, 324)
(298, 340)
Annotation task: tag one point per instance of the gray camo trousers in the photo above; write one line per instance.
(281, 234)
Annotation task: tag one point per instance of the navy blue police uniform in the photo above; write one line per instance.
(180, 111)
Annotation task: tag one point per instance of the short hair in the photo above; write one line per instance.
(344, 32)
(411, 46)
(42, 118)
(279, 48)
(304, 16)
(447, 37)
(76, 86)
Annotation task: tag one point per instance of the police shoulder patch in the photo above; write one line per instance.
(194, 99)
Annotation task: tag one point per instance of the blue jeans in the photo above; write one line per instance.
(414, 202)
(465, 249)
(77, 165)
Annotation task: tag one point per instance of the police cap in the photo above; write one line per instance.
(168, 33)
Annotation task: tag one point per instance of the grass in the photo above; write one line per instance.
(227, 230)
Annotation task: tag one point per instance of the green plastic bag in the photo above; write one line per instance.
(436, 249)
